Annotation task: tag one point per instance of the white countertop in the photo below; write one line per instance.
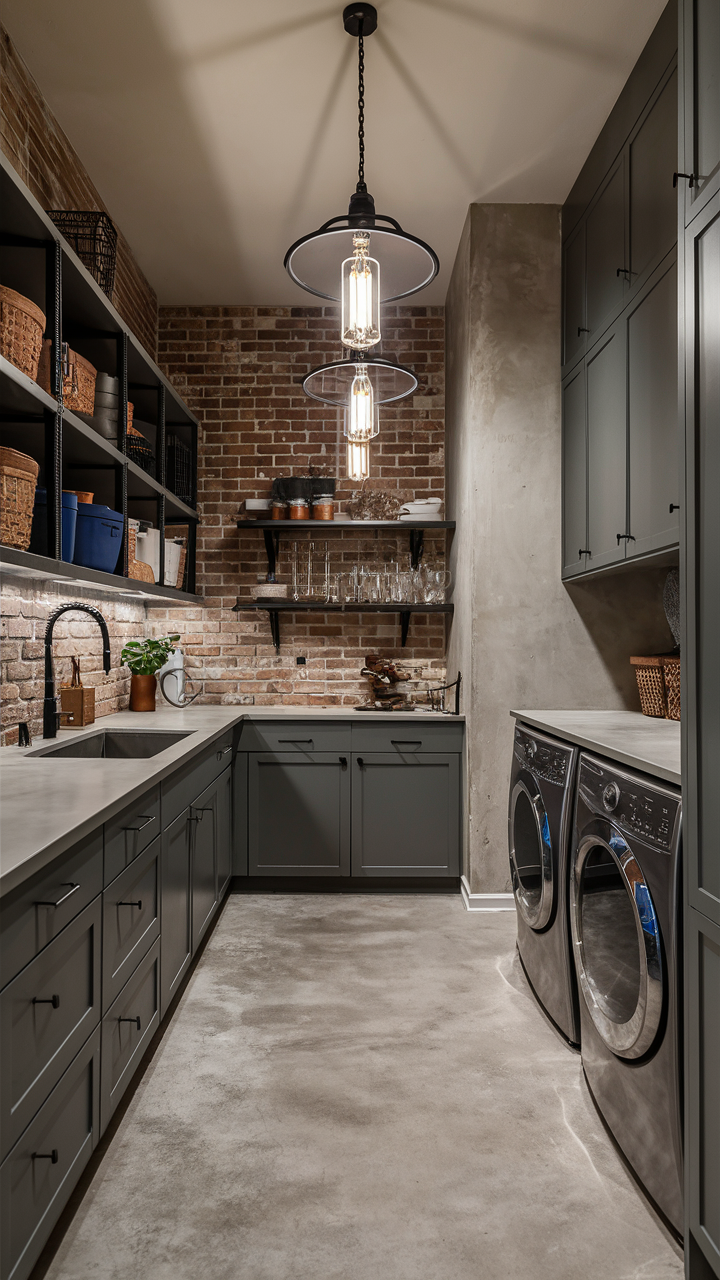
(48, 805)
(628, 737)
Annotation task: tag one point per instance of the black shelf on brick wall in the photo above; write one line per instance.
(275, 607)
(273, 528)
(36, 261)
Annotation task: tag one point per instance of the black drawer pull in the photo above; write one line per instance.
(52, 1156)
(343, 763)
(674, 506)
(586, 552)
(137, 904)
(360, 761)
(147, 819)
(224, 752)
(73, 888)
(402, 742)
(53, 1000)
(135, 1020)
(197, 816)
(294, 742)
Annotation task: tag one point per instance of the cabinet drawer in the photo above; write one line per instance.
(34, 1190)
(46, 1014)
(128, 835)
(39, 909)
(131, 920)
(123, 1041)
(185, 786)
(408, 738)
(295, 736)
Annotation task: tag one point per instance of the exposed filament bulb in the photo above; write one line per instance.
(360, 327)
(358, 459)
(361, 418)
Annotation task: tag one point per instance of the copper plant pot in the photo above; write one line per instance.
(142, 693)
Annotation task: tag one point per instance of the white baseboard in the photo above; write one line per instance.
(485, 901)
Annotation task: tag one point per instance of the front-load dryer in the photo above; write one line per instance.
(625, 920)
(539, 830)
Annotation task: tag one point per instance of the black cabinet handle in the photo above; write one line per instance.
(584, 553)
(197, 816)
(623, 271)
(53, 1000)
(137, 904)
(402, 742)
(582, 330)
(690, 177)
(52, 1156)
(625, 537)
(294, 742)
(360, 761)
(135, 1020)
(674, 506)
(73, 888)
(147, 819)
(343, 762)
(224, 752)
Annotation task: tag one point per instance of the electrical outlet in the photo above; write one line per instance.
(301, 662)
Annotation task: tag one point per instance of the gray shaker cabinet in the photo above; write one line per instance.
(202, 825)
(574, 478)
(653, 199)
(607, 449)
(299, 813)
(239, 815)
(406, 814)
(224, 831)
(700, 136)
(175, 926)
(574, 320)
(605, 253)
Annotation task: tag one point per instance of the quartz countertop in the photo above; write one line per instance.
(48, 805)
(641, 742)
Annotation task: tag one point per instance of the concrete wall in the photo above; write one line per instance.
(519, 636)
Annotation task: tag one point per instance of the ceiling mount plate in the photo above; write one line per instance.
(354, 14)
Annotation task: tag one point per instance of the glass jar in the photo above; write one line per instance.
(278, 510)
(299, 509)
(324, 508)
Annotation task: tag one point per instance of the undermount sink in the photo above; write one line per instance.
(114, 744)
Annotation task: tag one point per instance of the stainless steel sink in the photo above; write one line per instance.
(114, 744)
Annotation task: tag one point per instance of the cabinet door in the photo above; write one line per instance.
(605, 251)
(224, 831)
(653, 199)
(652, 417)
(175, 937)
(406, 815)
(203, 824)
(240, 815)
(574, 480)
(700, 154)
(607, 449)
(574, 322)
(298, 814)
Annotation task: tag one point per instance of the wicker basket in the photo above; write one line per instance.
(18, 477)
(651, 685)
(671, 672)
(22, 326)
(137, 568)
(78, 382)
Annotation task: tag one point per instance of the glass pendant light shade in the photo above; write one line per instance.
(332, 383)
(362, 418)
(358, 460)
(360, 327)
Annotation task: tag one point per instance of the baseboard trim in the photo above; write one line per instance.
(485, 901)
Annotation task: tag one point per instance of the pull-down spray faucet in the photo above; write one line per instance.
(50, 712)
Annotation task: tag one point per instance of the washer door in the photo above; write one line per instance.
(531, 860)
(616, 940)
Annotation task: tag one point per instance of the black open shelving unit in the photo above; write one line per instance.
(275, 607)
(37, 262)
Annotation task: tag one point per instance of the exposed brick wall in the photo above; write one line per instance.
(238, 369)
(39, 151)
(25, 610)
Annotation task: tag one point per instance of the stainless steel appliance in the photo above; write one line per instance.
(625, 904)
(539, 829)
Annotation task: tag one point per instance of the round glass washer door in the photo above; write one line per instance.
(531, 860)
(616, 941)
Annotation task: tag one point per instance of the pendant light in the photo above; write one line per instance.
(361, 258)
(333, 383)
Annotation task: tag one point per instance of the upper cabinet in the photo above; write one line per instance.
(700, 143)
(652, 164)
(605, 252)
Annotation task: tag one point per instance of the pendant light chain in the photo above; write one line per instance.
(361, 110)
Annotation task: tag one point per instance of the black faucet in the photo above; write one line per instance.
(50, 712)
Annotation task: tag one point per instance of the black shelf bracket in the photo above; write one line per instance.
(272, 548)
(417, 546)
(404, 627)
(274, 619)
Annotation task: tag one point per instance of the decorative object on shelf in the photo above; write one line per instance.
(179, 475)
(104, 415)
(145, 658)
(137, 568)
(68, 525)
(404, 264)
(374, 504)
(421, 509)
(98, 537)
(77, 704)
(78, 378)
(94, 238)
(671, 673)
(269, 591)
(384, 676)
(22, 325)
(18, 477)
(671, 604)
(179, 533)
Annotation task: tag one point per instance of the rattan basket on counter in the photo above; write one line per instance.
(22, 325)
(671, 672)
(18, 477)
(658, 682)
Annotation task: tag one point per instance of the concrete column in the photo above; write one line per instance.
(520, 637)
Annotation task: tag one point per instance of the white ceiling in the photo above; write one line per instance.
(218, 131)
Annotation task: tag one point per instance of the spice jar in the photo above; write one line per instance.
(324, 507)
(278, 509)
(299, 509)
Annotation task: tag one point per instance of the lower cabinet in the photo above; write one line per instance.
(175, 922)
(224, 831)
(203, 831)
(406, 815)
(127, 1028)
(298, 814)
(39, 1174)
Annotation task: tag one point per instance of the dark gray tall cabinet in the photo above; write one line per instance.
(699, 243)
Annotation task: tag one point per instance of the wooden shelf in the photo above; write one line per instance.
(28, 565)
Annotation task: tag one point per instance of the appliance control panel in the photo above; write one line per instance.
(636, 808)
(543, 759)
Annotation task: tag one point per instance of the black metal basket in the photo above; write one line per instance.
(179, 475)
(94, 239)
(139, 451)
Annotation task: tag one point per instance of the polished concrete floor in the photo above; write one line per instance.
(361, 1088)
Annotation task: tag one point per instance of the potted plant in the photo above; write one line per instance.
(145, 658)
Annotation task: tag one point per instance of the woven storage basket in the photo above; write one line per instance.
(137, 568)
(78, 382)
(18, 477)
(651, 686)
(22, 326)
(671, 672)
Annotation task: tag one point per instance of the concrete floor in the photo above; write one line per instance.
(361, 1088)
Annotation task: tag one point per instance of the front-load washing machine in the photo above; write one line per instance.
(539, 830)
(625, 905)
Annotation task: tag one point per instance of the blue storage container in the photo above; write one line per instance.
(38, 537)
(98, 537)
